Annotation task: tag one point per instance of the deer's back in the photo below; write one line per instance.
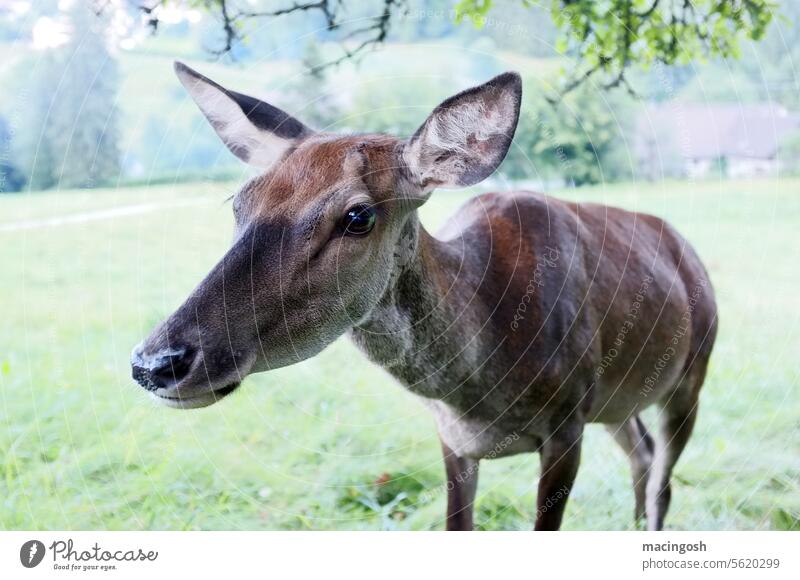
(574, 306)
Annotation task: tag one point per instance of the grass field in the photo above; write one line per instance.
(81, 447)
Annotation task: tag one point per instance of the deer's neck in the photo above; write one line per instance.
(421, 328)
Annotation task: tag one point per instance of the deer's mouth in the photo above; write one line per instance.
(194, 401)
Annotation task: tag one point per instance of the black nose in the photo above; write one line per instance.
(162, 369)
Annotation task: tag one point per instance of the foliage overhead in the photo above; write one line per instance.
(605, 38)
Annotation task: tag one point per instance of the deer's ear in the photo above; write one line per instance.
(254, 131)
(467, 136)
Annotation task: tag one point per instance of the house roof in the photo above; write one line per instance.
(712, 131)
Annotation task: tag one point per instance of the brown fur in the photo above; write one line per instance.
(525, 318)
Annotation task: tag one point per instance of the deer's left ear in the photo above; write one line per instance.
(254, 131)
(467, 136)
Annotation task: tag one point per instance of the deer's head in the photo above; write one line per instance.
(319, 234)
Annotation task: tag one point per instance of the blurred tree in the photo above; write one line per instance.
(581, 140)
(789, 155)
(11, 178)
(771, 65)
(398, 109)
(71, 118)
(35, 149)
(318, 106)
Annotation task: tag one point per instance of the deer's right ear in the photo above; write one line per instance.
(467, 136)
(254, 131)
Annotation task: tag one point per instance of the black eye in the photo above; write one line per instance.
(359, 220)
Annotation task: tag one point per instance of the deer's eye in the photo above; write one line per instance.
(359, 220)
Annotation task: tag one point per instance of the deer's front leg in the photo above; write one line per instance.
(462, 483)
(560, 457)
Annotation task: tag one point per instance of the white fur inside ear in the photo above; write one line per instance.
(456, 137)
(454, 128)
(245, 140)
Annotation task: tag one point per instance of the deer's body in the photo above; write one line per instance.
(502, 322)
(523, 320)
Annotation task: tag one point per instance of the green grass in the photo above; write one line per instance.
(302, 447)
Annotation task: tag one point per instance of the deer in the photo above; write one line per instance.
(521, 321)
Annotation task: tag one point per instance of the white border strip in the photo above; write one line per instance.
(404, 555)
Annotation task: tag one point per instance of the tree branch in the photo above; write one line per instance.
(231, 17)
(607, 37)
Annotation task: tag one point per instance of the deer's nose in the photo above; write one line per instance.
(162, 369)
